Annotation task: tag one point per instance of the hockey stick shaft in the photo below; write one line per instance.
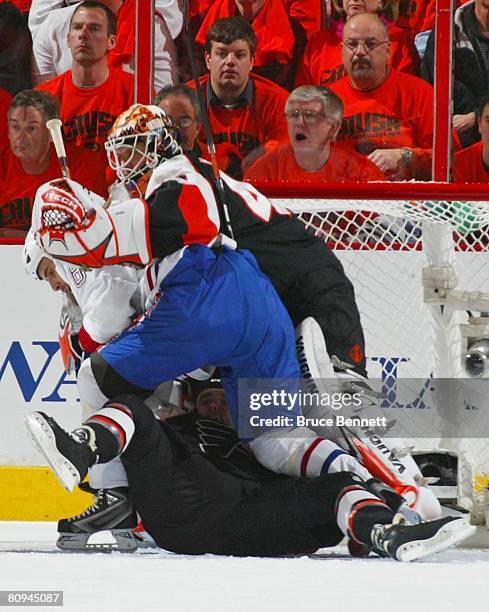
(216, 176)
(54, 127)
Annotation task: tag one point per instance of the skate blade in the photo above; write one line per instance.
(43, 438)
(78, 542)
(449, 535)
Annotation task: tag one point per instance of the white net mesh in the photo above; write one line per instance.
(383, 246)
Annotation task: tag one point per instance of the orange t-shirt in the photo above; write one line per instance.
(398, 113)
(309, 13)
(88, 113)
(468, 166)
(18, 189)
(322, 62)
(416, 16)
(342, 165)
(250, 125)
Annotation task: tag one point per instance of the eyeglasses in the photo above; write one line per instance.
(309, 116)
(184, 122)
(368, 45)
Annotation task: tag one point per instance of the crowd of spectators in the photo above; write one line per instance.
(299, 91)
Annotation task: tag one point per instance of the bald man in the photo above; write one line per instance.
(388, 114)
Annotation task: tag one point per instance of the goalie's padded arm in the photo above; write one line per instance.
(180, 215)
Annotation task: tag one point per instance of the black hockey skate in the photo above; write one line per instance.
(410, 542)
(112, 511)
(69, 455)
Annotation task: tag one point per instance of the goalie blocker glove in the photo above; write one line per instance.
(71, 224)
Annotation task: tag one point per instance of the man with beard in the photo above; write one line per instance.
(388, 114)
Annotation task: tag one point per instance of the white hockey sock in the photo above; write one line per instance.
(108, 475)
(299, 452)
(117, 418)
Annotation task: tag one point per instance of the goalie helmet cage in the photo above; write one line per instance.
(383, 245)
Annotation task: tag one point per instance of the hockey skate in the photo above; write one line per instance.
(112, 511)
(69, 455)
(405, 542)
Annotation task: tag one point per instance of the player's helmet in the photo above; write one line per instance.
(32, 255)
(141, 138)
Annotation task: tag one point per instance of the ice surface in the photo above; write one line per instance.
(160, 581)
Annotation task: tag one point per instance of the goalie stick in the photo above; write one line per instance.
(54, 127)
(216, 176)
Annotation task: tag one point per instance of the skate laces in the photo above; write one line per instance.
(91, 509)
(379, 541)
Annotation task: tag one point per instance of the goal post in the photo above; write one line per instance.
(415, 338)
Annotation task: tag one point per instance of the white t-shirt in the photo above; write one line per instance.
(49, 22)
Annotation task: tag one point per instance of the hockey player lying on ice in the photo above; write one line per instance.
(204, 306)
(190, 506)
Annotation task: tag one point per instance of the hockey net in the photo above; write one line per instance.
(383, 246)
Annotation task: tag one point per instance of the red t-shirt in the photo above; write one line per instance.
(342, 165)
(468, 166)
(261, 123)
(398, 113)
(322, 63)
(88, 113)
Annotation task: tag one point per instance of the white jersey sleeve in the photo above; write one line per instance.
(51, 53)
(105, 297)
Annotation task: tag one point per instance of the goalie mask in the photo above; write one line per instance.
(141, 138)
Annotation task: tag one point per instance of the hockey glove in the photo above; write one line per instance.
(219, 440)
(70, 323)
(72, 225)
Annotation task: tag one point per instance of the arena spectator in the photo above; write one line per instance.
(281, 39)
(311, 14)
(49, 22)
(181, 104)
(31, 160)
(417, 18)
(245, 110)
(388, 114)
(92, 94)
(15, 50)
(5, 99)
(314, 116)
(471, 165)
(322, 63)
(471, 64)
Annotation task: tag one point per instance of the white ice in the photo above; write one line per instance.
(160, 581)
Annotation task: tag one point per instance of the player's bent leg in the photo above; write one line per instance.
(107, 433)
(300, 452)
(377, 455)
(371, 524)
(103, 477)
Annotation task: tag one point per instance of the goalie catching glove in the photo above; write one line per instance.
(71, 224)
